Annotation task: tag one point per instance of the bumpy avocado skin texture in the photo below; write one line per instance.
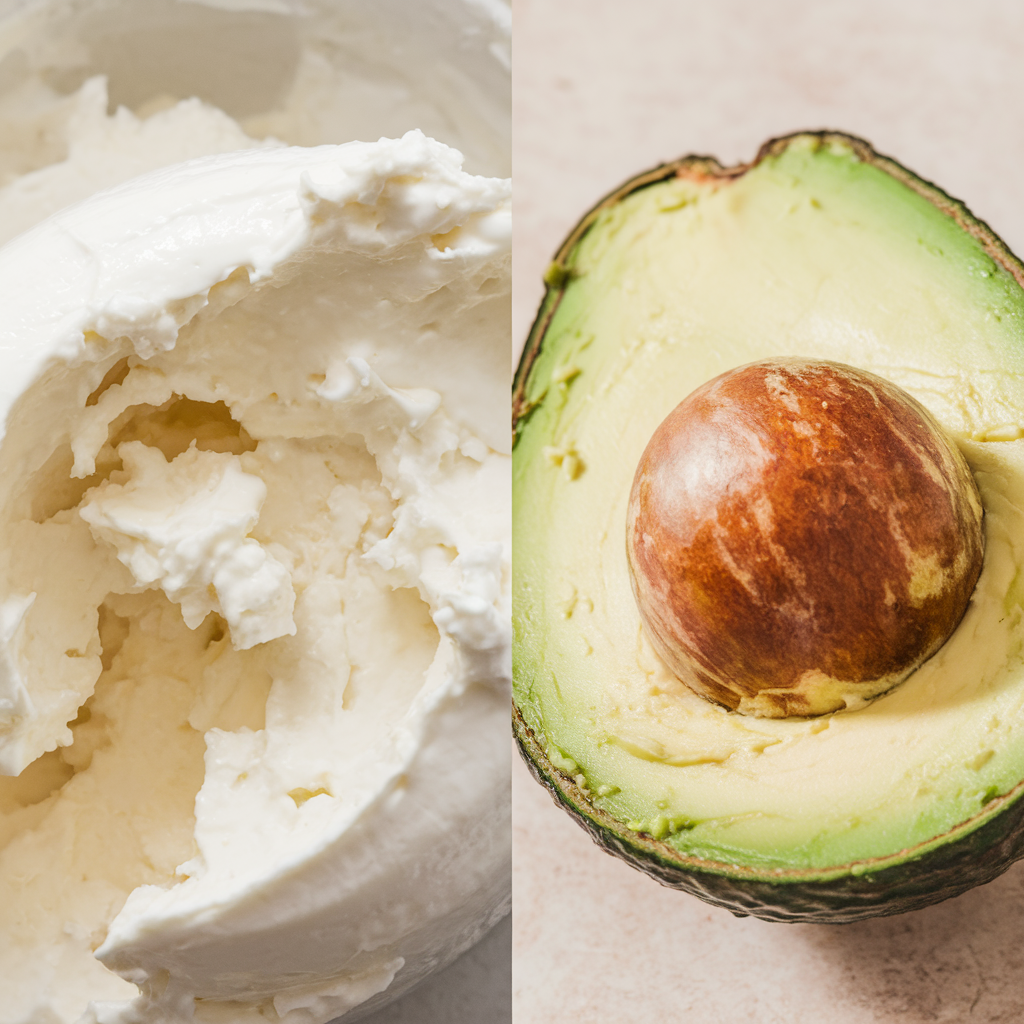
(977, 852)
(971, 852)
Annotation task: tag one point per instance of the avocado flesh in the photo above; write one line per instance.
(813, 251)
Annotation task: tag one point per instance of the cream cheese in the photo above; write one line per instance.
(254, 602)
(98, 150)
(183, 526)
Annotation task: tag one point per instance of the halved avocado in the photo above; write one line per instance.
(822, 248)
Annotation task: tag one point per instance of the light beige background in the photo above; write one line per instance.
(604, 89)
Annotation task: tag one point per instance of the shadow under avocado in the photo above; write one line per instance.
(956, 961)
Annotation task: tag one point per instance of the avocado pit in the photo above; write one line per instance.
(801, 536)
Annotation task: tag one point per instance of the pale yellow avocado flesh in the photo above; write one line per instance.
(810, 253)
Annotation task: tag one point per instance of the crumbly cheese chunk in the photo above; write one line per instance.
(183, 526)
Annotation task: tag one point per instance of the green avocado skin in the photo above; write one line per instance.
(973, 856)
(972, 853)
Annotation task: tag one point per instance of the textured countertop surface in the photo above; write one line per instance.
(474, 990)
(604, 90)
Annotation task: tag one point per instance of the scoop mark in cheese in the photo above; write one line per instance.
(376, 437)
(182, 526)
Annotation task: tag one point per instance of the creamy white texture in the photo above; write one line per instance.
(256, 494)
(97, 150)
(183, 526)
(307, 72)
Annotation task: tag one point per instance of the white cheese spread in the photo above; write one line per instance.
(254, 641)
(97, 150)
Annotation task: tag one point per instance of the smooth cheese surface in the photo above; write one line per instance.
(254, 590)
(811, 253)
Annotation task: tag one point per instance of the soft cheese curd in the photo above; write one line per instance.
(254, 586)
(57, 150)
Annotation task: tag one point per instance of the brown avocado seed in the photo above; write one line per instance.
(801, 536)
